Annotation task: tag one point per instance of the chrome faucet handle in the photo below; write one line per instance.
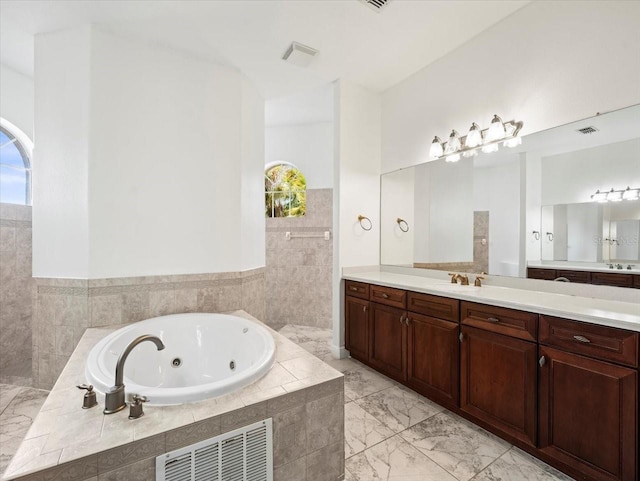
(89, 399)
(135, 408)
(454, 278)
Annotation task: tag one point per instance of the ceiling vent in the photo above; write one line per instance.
(376, 5)
(587, 130)
(299, 54)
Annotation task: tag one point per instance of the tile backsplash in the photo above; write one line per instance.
(64, 308)
(299, 270)
(15, 294)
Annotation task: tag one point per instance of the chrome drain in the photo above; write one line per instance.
(176, 362)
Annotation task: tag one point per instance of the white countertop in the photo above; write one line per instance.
(625, 315)
(588, 268)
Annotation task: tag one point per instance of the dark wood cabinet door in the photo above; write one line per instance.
(541, 273)
(357, 327)
(588, 415)
(388, 340)
(498, 382)
(433, 350)
(612, 279)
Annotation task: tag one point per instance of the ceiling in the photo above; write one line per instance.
(373, 49)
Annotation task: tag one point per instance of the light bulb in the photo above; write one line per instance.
(452, 158)
(454, 143)
(469, 153)
(474, 137)
(631, 194)
(599, 196)
(514, 142)
(496, 130)
(436, 148)
(614, 195)
(487, 149)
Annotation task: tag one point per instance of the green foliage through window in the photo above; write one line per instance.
(285, 191)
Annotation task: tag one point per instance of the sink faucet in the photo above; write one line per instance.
(114, 398)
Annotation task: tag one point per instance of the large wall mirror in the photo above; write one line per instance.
(530, 205)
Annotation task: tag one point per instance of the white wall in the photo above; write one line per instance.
(397, 201)
(61, 170)
(547, 64)
(357, 125)
(16, 99)
(609, 166)
(175, 155)
(308, 146)
(497, 189)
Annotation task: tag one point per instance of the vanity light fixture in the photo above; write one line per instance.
(631, 194)
(436, 149)
(497, 130)
(616, 195)
(477, 140)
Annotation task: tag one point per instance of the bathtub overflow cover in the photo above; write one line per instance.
(232, 365)
(177, 362)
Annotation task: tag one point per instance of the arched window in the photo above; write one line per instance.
(15, 169)
(285, 190)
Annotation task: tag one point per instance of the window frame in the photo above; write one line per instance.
(26, 160)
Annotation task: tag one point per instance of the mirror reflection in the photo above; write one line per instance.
(531, 206)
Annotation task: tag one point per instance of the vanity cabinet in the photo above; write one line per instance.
(588, 404)
(563, 390)
(387, 351)
(356, 305)
(433, 348)
(498, 369)
(601, 278)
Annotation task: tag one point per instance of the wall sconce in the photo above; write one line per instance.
(486, 140)
(616, 195)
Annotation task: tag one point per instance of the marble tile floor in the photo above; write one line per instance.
(18, 407)
(393, 433)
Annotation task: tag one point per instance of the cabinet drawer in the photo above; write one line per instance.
(600, 342)
(356, 289)
(434, 306)
(519, 324)
(576, 276)
(610, 279)
(538, 273)
(389, 296)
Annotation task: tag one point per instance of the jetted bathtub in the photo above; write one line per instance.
(205, 355)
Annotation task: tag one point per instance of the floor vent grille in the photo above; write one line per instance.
(245, 454)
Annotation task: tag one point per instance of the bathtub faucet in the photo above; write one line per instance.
(114, 398)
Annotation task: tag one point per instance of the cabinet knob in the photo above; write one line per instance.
(581, 339)
(353, 289)
(493, 319)
(542, 361)
(385, 296)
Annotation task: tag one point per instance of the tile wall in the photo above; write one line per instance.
(299, 271)
(15, 294)
(64, 308)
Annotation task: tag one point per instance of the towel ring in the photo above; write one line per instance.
(536, 234)
(404, 227)
(366, 220)
(550, 236)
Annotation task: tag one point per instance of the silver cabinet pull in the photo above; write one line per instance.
(542, 361)
(493, 319)
(364, 308)
(406, 320)
(353, 289)
(385, 296)
(461, 337)
(581, 339)
(401, 318)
